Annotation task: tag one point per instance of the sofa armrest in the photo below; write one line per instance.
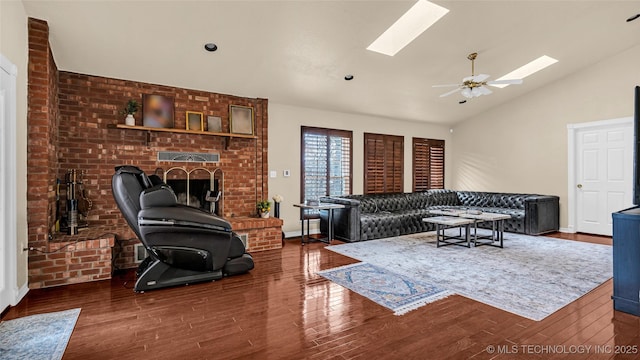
(542, 214)
(346, 221)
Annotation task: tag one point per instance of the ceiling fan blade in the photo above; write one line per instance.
(445, 85)
(505, 82)
(480, 77)
(450, 92)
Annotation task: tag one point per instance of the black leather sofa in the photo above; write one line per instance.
(367, 217)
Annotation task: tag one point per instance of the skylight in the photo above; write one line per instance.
(409, 26)
(528, 69)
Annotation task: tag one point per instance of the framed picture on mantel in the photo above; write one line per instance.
(195, 121)
(241, 119)
(157, 111)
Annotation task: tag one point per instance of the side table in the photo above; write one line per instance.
(321, 206)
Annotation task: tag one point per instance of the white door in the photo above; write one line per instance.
(604, 175)
(5, 294)
(8, 253)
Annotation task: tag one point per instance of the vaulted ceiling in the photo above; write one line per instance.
(298, 52)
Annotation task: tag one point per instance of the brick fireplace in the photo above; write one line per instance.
(72, 119)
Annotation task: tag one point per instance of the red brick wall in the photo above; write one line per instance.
(71, 118)
(88, 104)
(43, 136)
(73, 262)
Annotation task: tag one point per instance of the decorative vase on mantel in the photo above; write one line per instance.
(264, 215)
(130, 120)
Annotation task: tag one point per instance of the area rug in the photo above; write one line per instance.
(42, 336)
(532, 276)
(399, 293)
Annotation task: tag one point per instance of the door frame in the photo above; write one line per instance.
(572, 133)
(9, 148)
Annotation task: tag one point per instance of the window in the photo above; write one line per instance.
(383, 163)
(326, 163)
(428, 164)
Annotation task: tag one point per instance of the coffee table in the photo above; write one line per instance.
(497, 225)
(446, 222)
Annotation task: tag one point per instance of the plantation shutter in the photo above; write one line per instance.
(384, 163)
(428, 164)
(326, 163)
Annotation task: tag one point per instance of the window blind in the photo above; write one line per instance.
(384, 163)
(326, 163)
(428, 164)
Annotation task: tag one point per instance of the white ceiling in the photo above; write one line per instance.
(298, 52)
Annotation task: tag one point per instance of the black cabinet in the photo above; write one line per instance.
(626, 261)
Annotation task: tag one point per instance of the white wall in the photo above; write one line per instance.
(285, 122)
(13, 45)
(522, 145)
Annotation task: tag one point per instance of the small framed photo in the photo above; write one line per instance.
(214, 124)
(157, 111)
(241, 119)
(194, 121)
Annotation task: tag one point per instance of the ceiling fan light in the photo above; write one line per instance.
(466, 92)
(483, 91)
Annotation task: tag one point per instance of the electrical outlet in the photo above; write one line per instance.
(286, 173)
(273, 174)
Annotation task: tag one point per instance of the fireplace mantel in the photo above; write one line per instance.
(227, 136)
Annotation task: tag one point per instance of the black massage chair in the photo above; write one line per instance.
(185, 244)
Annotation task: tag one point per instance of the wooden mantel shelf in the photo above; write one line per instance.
(180, 131)
(227, 136)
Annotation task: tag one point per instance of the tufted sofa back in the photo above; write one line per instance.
(495, 200)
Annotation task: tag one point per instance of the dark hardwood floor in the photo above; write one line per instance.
(283, 310)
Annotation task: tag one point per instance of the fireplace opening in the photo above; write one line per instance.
(197, 193)
(199, 187)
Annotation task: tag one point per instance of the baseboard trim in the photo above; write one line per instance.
(292, 234)
(568, 230)
(22, 292)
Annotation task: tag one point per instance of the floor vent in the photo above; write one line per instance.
(245, 239)
(188, 157)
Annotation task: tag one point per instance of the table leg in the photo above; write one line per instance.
(438, 235)
(467, 229)
(501, 231)
(302, 221)
(329, 225)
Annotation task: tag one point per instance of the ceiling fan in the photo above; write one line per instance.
(475, 85)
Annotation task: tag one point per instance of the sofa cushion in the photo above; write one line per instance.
(511, 201)
(368, 205)
(379, 225)
(443, 198)
(418, 200)
(475, 199)
(392, 202)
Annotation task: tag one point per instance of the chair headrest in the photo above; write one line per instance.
(134, 170)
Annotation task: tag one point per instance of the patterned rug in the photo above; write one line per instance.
(43, 336)
(532, 276)
(393, 291)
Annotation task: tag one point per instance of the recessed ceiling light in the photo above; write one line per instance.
(633, 17)
(528, 69)
(409, 26)
(348, 77)
(210, 47)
